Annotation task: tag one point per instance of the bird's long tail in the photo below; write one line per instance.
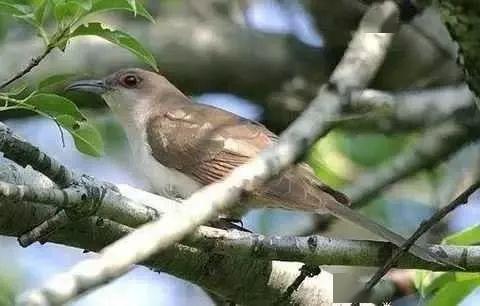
(298, 188)
(345, 213)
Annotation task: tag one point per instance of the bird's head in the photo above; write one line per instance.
(131, 93)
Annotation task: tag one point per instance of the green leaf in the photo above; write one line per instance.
(107, 5)
(41, 12)
(133, 5)
(467, 236)
(54, 80)
(85, 4)
(55, 106)
(454, 292)
(438, 280)
(68, 10)
(87, 139)
(119, 38)
(369, 149)
(16, 10)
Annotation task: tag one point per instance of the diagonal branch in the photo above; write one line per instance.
(359, 65)
(422, 229)
(37, 60)
(34, 62)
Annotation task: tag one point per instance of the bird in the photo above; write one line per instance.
(181, 146)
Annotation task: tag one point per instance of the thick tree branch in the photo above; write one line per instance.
(314, 250)
(408, 110)
(212, 272)
(117, 207)
(84, 196)
(360, 63)
(24, 154)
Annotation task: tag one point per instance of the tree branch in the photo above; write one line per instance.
(408, 110)
(314, 249)
(37, 60)
(214, 272)
(23, 153)
(34, 62)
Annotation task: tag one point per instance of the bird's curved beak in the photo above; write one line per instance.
(94, 86)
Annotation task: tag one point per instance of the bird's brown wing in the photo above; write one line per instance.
(207, 143)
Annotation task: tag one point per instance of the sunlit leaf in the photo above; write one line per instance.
(106, 5)
(67, 10)
(85, 4)
(454, 292)
(55, 106)
(86, 137)
(370, 149)
(468, 236)
(119, 38)
(41, 12)
(438, 280)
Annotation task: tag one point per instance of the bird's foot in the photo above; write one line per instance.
(227, 223)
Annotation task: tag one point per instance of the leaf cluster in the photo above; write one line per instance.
(57, 22)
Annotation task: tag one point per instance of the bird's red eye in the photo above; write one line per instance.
(129, 81)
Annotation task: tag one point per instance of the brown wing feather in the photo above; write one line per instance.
(205, 142)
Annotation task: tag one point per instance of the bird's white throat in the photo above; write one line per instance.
(166, 181)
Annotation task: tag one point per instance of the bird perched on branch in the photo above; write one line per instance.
(181, 146)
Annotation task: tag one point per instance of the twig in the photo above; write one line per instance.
(423, 228)
(33, 63)
(37, 60)
(41, 231)
(305, 271)
(358, 66)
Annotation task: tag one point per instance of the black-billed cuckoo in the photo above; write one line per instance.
(181, 146)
